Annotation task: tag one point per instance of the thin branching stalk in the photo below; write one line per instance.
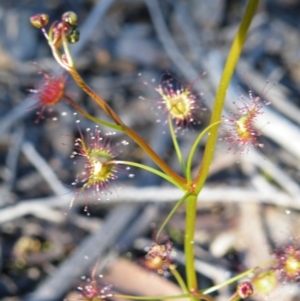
(131, 133)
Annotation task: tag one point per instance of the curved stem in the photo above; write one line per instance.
(100, 101)
(176, 146)
(110, 112)
(92, 118)
(179, 279)
(167, 219)
(193, 149)
(190, 224)
(150, 169)
(159, 162)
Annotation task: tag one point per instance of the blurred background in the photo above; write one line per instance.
(250, 204)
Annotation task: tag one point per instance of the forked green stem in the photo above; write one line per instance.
(194, 147)
(176, 145)
(150, 169)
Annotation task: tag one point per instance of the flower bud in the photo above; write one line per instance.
(70, 18)
(245, 289)
(73, 36)
(39, 20)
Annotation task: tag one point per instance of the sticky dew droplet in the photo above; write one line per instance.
(124, 142)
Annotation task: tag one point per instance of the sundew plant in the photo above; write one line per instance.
(100, 163)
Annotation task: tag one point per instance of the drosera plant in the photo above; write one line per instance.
(91, 289)
(178, 100)
(101, 164)
(97, 159)
(98, 163)
(48, 92)
(242, 131)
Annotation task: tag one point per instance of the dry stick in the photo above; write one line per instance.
(13, 155)
(284, 180)
(252, 220)
(143, 195)
(11, 162)
(93, 247)
(169, 45)
(43, 168)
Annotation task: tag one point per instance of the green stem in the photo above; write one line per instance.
(203, 170)
(190, 224)
(176, 146)
(230, 65)
(193, 150)
(150, 169)
(88, 116)
(177, 205)
(111, 113)
(179, 279)
(236, 278)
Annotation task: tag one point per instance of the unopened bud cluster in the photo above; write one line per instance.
(66, 26)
